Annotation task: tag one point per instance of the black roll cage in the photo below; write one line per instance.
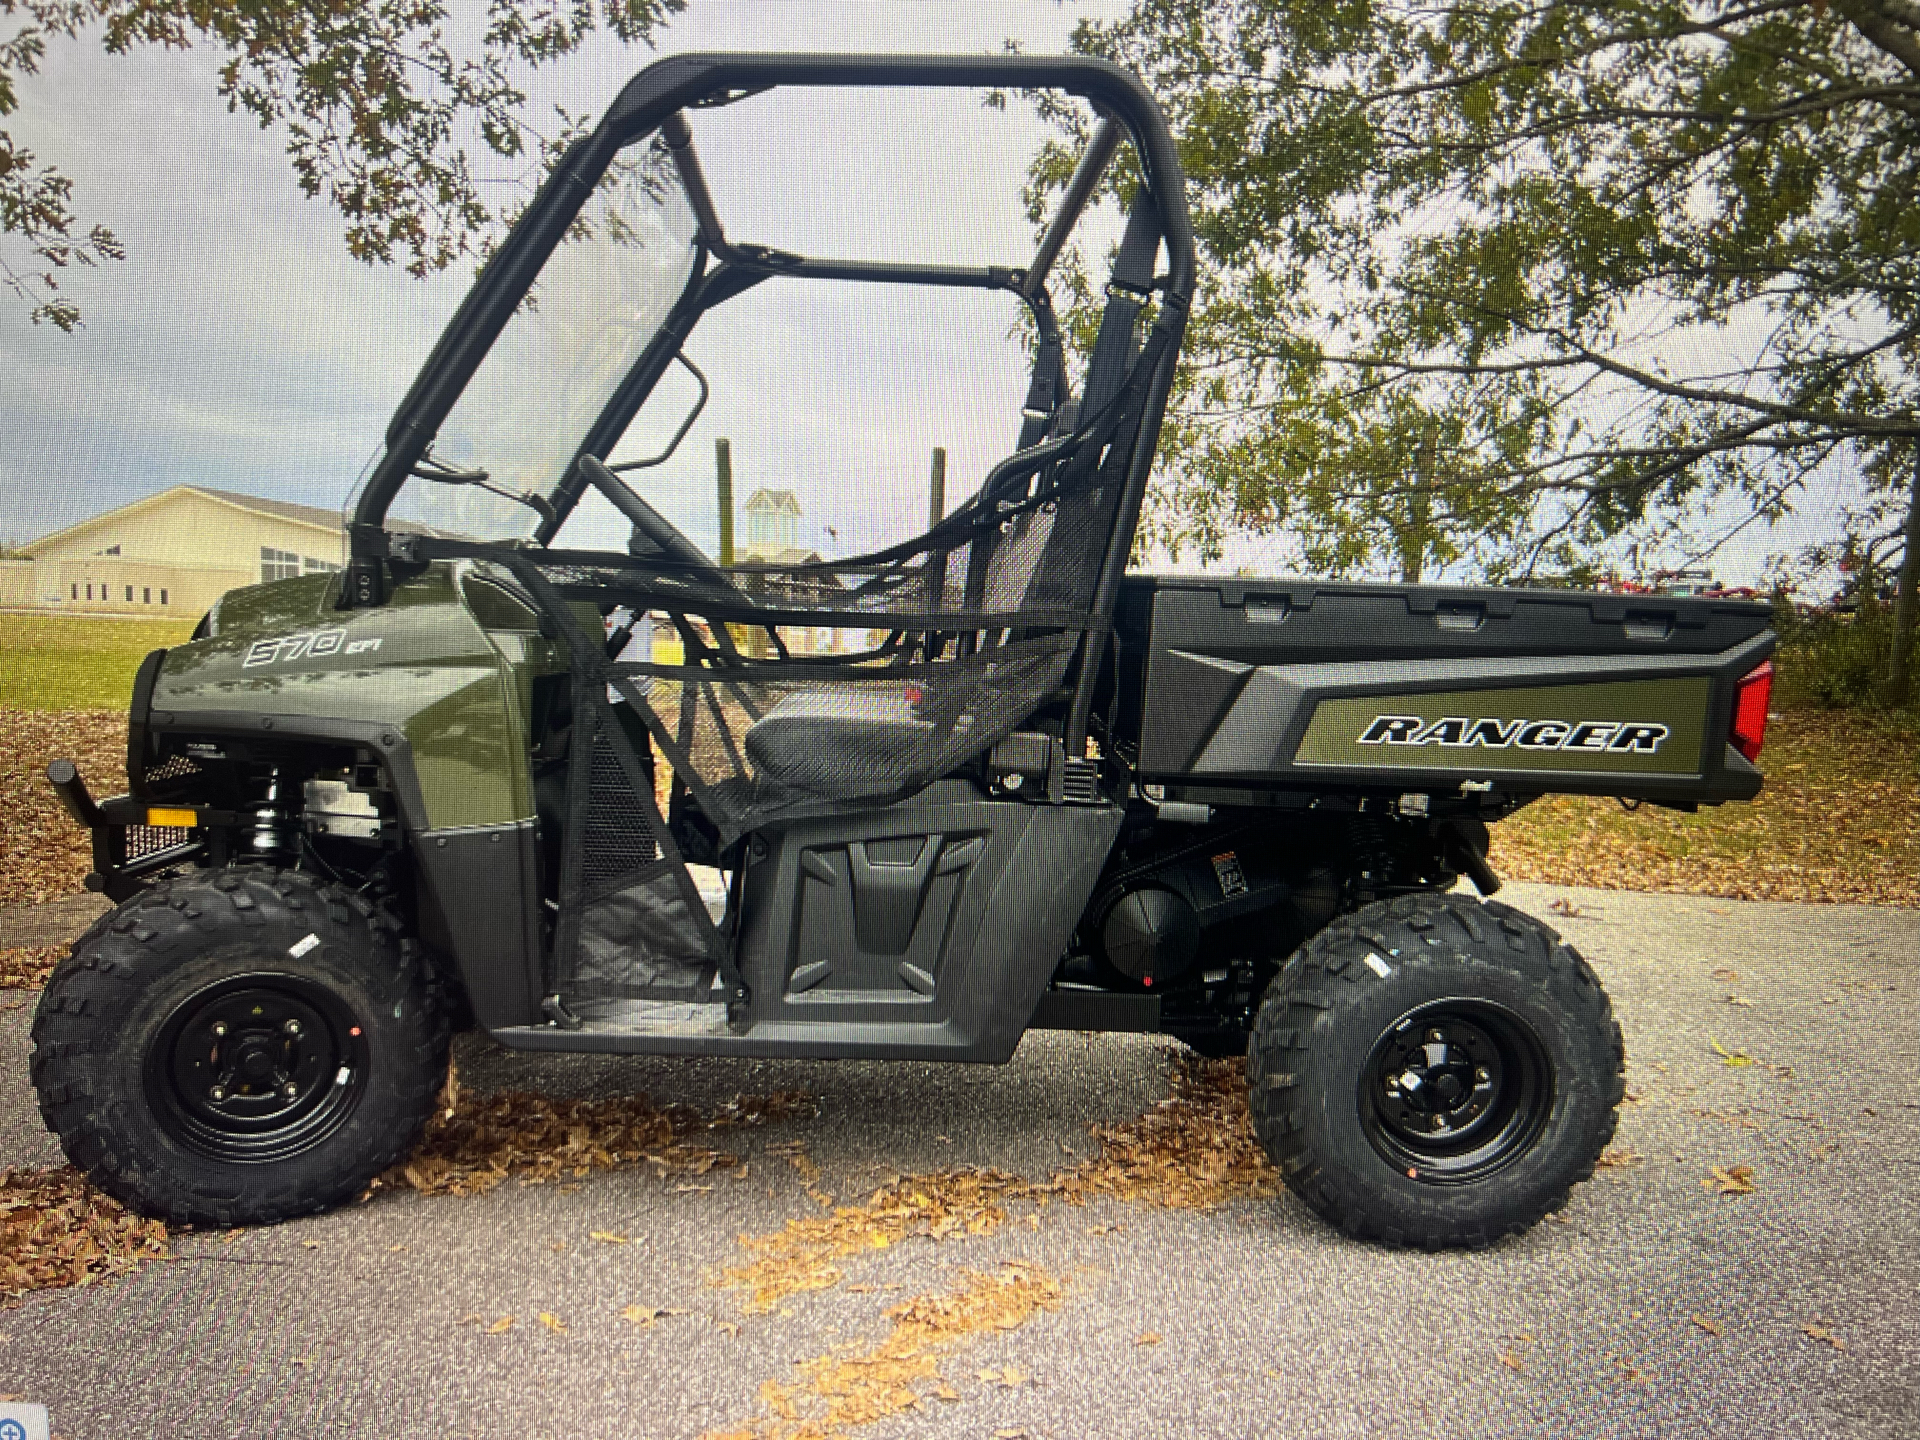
(655, 100)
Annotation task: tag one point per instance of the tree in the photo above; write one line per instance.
(1505, 284)
(383, 114)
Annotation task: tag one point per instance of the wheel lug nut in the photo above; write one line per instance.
(1435, 1036)
(218, 1092)
(290, 1090)
(1439, 1122)
(292, 1027)
(219, 1028)
(1480, 1074)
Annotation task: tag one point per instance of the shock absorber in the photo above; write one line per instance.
(1370, 854)
(274, 836)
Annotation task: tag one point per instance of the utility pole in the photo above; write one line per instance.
(723, 468)
(937, 496)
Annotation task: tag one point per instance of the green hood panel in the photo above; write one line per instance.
(421, 663)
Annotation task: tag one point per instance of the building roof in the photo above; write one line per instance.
(774, 500)
(313, 515)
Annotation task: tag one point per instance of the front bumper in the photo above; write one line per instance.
(132, 838)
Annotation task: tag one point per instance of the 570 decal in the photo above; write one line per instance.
(308, 645)
(1458, 732)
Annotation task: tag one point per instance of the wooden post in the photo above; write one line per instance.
(723, 467)
(937, 496)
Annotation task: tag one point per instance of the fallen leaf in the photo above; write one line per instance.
(1619, 1157)
(309, 1244)
(1148, 1337)
(1724, 973)
(944, 1391)
(606, 1237)
(1564, 906)
(1821, 1335)
(553, 1322)
(1735, 1058)
(1735, 1181)
(501, 1326)
(1629, 1372)
(1736, 1000)
(1712, 1327)
(1511, 1361)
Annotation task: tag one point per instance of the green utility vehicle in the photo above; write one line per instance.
(905, 804)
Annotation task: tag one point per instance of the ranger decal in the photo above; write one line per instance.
(1459, 732)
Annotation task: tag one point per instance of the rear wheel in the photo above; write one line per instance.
(1435, 1071)
(238, 1047)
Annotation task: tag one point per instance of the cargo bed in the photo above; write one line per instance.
(1275, 685)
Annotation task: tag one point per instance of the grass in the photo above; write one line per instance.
(73, 662)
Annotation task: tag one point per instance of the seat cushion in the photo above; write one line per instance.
(840, 741)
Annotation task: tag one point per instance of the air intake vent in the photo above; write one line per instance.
(1080, 784)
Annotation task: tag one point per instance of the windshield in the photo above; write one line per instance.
(602, 296)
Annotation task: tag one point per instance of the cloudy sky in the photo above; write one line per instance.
(239, 346)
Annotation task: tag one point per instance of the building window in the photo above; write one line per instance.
(317, 567)
(129, 594)
(89, 589)
(76, 590)
(278, 565)
(111, 550)
(163, 597)
(146, 595)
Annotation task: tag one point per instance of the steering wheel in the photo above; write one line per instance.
(664, 535)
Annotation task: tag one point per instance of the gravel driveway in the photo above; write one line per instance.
(1250, 1320)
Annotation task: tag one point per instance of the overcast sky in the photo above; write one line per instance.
(239, 346)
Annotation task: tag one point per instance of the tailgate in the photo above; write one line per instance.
(1296, 685)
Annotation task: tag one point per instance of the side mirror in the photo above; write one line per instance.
(685, 425)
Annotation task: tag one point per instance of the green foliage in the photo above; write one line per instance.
(1837, 659)
(379, 108)
(1502, 284)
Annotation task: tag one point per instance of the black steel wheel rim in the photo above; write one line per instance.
(256, 1069)
(1455, 1090)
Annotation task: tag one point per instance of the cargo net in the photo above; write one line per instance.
(810, 688)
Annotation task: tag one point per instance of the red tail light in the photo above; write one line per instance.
(1750, 700)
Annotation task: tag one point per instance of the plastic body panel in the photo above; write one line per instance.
(1253, 683)
(455, 692)
(979, 897)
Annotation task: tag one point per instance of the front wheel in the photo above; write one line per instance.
(1435, 1071)
(236, 1047)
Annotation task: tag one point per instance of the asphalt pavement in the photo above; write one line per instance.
(1252, 1320)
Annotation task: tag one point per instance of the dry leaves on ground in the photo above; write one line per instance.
(1737, 1180)
(46, 854)
(1835, 821)
(26, 967)
(853, 1386)
(476, 1142)
(56, 1230)
(1195, 1150)
(802, 1256)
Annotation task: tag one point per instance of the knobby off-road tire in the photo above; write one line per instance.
(240, 1046)
(1346, 1089)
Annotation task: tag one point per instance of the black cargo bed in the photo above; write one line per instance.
(1239, 682)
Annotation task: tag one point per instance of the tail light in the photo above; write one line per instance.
(1750, 700)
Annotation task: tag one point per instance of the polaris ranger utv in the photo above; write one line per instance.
(977, 782)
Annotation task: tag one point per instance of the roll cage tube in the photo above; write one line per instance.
(649, 102)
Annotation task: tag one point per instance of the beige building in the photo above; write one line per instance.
(173, 553)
